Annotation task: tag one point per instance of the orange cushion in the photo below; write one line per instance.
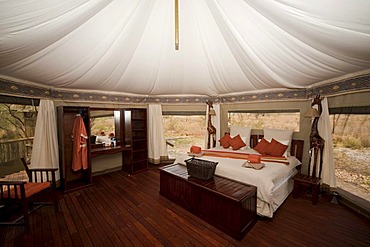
(30, 189)
(195, 150)
(276, 148)
(254, 158)
(224, 141)
(236, 142)
(262, 146)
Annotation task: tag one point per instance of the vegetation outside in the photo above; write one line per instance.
(17, 128)
(14, 122)
(184, 132)
(102, 124)
(283, 120)
(352, 153)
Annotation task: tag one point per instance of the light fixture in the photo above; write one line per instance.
(312, 112)
(212, 112)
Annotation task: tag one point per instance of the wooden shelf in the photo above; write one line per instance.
(135, 128)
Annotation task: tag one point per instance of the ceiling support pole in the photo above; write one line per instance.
(176, 24)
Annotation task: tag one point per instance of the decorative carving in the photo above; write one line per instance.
(210, 128)
(316, 141)
(348, 85)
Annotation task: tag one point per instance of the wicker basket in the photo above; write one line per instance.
(202, 169)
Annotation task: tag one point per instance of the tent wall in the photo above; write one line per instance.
(342, 100)
(350, 100)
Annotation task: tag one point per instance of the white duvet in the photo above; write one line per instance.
(267, 180)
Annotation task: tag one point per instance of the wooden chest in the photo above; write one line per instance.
(226, 204)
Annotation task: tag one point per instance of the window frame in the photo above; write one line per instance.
(183, 113)
(25, 148)
(351, 200)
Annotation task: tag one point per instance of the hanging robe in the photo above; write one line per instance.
(79, 138)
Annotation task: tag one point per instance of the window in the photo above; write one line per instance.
(102, 125)
(102, 122)
(17, 127)
(183, 130)
(351, 128)
(288, 119)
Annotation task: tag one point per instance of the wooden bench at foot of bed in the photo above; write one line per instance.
(226, 204)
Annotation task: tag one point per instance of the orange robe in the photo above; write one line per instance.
(79, 138)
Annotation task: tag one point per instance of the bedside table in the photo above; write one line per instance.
(307, 181)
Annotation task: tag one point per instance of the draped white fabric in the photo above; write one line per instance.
(226, 46)
(216, 122)
(325, 131)
(45, 144)
(157, 148)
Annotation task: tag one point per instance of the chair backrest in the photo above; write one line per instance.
(13, 167)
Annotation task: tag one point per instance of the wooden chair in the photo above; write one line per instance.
(41, 184)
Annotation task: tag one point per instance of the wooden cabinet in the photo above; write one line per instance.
(135, 159)
(131, 132)
(71, 180)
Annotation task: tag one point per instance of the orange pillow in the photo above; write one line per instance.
(262, 146)
(276, 148)
(236, 142)
(224, 141)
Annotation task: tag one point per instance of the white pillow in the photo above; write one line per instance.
(102, 139)
(244, 132)
(278, 135)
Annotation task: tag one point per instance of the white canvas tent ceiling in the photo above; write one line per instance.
(226, 46)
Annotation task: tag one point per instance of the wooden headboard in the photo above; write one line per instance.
(296, 147)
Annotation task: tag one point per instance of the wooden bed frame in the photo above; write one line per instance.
(235, 215)
(296, 147)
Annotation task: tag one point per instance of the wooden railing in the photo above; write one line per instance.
(16, 148)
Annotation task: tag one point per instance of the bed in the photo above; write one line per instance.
(274, 181)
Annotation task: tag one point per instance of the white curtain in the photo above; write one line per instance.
(45, 144)
(215, 122)
(156, 140)
(324, 127)
(328, 167)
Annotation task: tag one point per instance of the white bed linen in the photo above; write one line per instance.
(267, 180)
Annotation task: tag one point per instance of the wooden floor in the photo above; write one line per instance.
(122, 210)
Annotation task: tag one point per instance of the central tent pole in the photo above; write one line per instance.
(176, 24)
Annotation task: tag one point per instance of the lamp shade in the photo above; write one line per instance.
(312, 112)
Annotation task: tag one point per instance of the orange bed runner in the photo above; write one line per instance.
(243, 156)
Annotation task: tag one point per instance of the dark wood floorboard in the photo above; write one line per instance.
(123, 210)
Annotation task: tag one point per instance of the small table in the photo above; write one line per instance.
(307, 181)
(224, 203)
